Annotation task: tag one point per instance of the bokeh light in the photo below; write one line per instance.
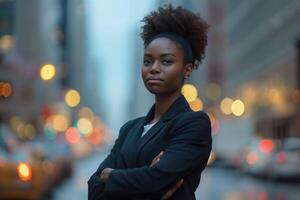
(24, 171)
(60, 123)
(95, 137)
(72, 98)
(72, 135)
(5, 89)
(226, 105)
(47, 72)
(196, 105)
(190, 92)
(296, 96)
(85, 112)
(266, 145)
(84, 125)
(6, 43)
(251, 158)
(276, 97)
(237, 107)
(29, 131)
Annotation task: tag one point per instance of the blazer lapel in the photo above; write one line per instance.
(177, 107)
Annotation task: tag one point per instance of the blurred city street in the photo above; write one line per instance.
(70, 77)
(216, 183)
(76, 187)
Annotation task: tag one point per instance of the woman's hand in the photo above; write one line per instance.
(174, 188)
(157, 159)
(105, 174)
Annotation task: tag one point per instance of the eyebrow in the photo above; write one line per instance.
(162, 55)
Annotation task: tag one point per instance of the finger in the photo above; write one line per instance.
(179, 183)
(154, 162)
(157, 158)
(160, 154)
(172, 190)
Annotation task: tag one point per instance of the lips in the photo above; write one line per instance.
(154, 80)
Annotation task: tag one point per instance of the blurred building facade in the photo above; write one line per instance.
(33, 42)
(254, 58)
(33, 35)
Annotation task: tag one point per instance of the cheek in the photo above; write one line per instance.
(176, 76)
(143, 72)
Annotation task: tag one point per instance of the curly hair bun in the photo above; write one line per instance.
(181, 21)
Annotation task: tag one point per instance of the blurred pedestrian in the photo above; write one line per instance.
(161, 155)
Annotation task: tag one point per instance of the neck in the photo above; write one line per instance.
(162, 103)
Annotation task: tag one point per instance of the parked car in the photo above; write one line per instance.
(286, 161)
(257, 157)
(20, 177)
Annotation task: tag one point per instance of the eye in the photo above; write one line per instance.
(167, 62)
(147, 62)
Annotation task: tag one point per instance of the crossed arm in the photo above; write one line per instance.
(95, 185)
(188, 149)
(106, 172)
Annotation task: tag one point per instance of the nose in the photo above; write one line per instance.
(155, 67)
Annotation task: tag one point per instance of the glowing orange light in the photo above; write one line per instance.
(95, 137)
(60, 123)
(72, 135)
(6, 90)
(266, 146)
(296, 96)
(252, 158)
(24, 171)
(196, 105)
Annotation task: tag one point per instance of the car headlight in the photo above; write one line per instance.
(24, 171)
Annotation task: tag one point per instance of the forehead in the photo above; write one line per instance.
(163, 45)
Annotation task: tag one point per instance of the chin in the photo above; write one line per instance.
(155, 92)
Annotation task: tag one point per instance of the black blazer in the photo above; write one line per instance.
(185, 138)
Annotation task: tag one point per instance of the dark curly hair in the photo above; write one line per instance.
(178, 20)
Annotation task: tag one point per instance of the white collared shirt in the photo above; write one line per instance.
(147, 128)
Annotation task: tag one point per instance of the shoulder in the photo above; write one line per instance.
(132, 122)
(191, 116)
(129, 124)
(191, 122)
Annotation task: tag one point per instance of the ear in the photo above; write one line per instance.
(187, 71)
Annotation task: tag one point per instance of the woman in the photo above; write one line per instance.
(161, 155)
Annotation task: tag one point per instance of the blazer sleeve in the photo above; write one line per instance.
(188, 149)
(95, 186)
